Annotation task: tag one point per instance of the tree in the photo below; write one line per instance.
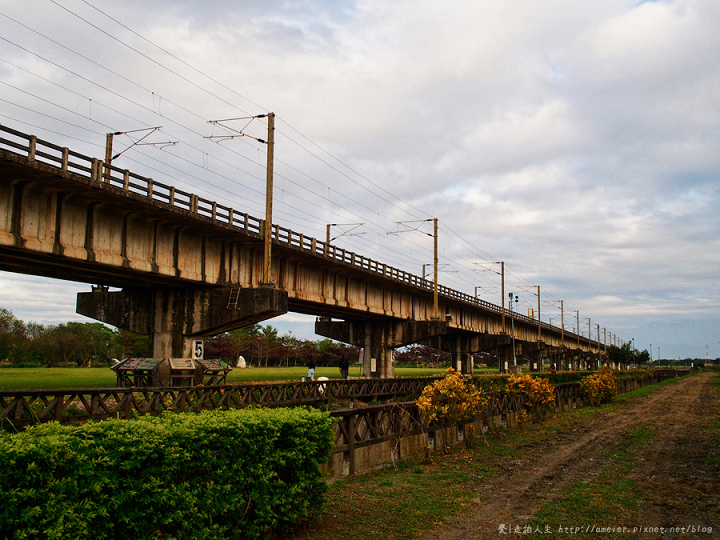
(73, 342)
(269, 344)
(291, 348)
(14, 339)
(620, 355)
(125, 344)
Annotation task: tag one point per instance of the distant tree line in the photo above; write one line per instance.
(72, 343)
(262, 346)
(626, 355)
(92, 344)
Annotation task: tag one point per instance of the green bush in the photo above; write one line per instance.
(219, 474)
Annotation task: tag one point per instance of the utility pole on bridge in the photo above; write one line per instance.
(109, 145)
(270, 142)
(502, 286)
(436, 311)
(268, 200)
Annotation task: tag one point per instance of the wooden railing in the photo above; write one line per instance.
(22, 408)
(355, 428)
(125, 182)
(366, 426)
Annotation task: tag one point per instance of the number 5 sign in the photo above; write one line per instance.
(198, 350)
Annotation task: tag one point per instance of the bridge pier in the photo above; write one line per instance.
(535, 353)
(460, 347)
(379, 338)
(174, 317)
(506, 359)
(506, 355)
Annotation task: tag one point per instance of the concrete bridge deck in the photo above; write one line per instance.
(189, 267)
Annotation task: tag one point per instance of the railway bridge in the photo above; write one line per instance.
(188, 267)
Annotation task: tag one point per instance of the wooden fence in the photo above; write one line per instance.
(21, 408)
(365, 437)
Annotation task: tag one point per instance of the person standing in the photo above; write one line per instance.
(311, 368)
(344, 367)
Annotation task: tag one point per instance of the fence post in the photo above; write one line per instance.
(352, 421)
(127, 408)
(94, 171)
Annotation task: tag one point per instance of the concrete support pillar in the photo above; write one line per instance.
(535, 353)
(175, 317)
(460, 348)
(167, 337)
(506, 359)
(465, 361)
(536, 362)
(378, 357)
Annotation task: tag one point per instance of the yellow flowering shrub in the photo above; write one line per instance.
(538, 395)
(452, 400)
(599, 387)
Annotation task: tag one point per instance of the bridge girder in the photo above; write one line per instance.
(67, 216)
(173, 317)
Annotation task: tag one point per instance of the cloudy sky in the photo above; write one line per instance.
(575, 141)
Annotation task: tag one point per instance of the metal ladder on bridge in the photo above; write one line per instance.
(234, 297)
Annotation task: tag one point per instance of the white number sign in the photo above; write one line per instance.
(198, 350)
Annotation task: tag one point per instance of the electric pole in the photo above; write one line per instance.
(267, 280)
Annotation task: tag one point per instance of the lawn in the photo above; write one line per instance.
(68, 377)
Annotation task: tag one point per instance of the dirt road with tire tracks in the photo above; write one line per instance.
(676, 477)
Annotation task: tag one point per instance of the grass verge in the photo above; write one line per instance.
(43, 378)
(714, 456)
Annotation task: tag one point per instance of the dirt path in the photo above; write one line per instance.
(680, 486)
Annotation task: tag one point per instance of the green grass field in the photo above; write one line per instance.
(67, 377)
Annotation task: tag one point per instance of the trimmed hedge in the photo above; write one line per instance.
(219, 474)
